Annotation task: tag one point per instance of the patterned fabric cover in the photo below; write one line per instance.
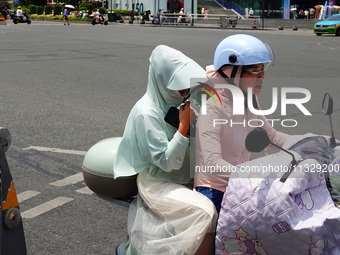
(261, 215)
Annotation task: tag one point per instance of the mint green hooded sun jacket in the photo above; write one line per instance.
(148, 141)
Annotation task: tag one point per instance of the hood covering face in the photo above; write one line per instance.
(170, 71)
(148, 141)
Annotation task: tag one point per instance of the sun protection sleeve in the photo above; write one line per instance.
(154, 145)
(275, 136)
(209, 149)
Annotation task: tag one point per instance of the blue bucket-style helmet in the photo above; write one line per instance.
(242, 50)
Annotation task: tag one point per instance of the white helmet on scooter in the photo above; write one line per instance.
(242, 50)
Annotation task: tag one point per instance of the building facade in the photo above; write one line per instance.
(189, 6)
(274, 8)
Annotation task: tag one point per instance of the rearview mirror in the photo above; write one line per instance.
(327, 105)
(327, 109)
(257, 140)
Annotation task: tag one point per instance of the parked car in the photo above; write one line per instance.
(328, 26)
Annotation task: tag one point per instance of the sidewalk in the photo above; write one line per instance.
(214, 23)
(268, 23)
(290, 23)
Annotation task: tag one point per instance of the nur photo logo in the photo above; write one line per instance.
(239, 104)
(204, 96)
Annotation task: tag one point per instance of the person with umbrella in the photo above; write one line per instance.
(66, 13)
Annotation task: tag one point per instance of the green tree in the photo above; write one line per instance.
(33, 9)
(38, 2)
(48, 9)
(40, 10)
(3, 4)
(57, 9)
(87, 5)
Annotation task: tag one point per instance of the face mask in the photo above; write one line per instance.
(174, 97)
(187, 92)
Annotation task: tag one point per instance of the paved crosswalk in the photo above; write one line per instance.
(73, 179)
(54, 203)
(27, 195)
(58, 201)
(45, 207)
(57, 150)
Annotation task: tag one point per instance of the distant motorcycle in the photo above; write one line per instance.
(20, 19)
(100, 21)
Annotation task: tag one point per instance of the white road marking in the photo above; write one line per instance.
(73, 179)
(48, 149)
(27, 195)
(85, 190)
(45, 207)
(59, 201)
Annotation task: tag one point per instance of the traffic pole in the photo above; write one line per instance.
(254, 24)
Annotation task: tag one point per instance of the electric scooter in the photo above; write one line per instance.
(100, 21)
(20, 19)
(284, 203)
(290, 207)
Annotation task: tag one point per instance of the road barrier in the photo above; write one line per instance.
(221, 21)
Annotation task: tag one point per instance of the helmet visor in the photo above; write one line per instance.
(257, 54)
(256, 69)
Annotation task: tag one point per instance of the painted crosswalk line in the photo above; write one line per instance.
(48, 149)
(45, 207)
(85, 190)
(59, 201)
(27, 195)
(70, 180)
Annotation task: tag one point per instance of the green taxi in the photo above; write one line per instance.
(328, 26)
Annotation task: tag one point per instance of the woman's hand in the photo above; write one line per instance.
(186, 117)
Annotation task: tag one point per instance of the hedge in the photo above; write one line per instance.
(40, 10)
(87, 5)
(102, 10)
(124, 12)
(48, 9)
(58, 17)
(33, 9)
(58, 9)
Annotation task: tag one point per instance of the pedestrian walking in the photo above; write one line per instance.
(65, 14)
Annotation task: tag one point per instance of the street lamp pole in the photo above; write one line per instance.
(262, 14)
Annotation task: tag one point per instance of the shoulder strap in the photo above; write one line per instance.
(232, 77)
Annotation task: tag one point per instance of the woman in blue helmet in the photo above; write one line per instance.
(240, 60)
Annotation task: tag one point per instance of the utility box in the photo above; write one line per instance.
(224, 22)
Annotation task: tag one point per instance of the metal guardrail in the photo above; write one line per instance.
(253, 22)
(221, 21)
(172, 19)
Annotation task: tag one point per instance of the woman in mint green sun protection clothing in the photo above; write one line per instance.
(168, 216)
